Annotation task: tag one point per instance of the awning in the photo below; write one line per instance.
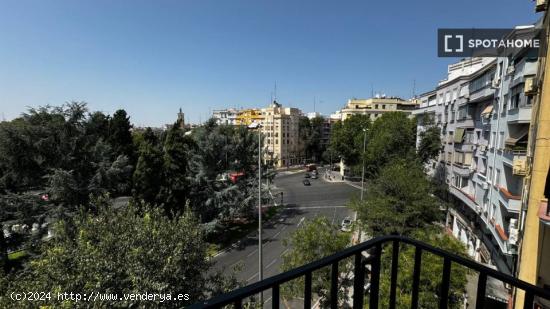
(519, 135)
(459, 135)
(487, 111)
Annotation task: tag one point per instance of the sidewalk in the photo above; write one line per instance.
(332, 176)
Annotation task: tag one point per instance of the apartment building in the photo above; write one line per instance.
(225, 116)
(375, 107)
(280, 127)
(483, 110)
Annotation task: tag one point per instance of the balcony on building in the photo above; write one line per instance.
(464, 194)
(365, 261)
(520, 103)
(511, 200)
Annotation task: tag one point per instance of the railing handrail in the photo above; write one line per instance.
(281, 278)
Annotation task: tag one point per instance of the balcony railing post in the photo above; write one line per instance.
(416, 277)
(375, 277)
(528, 301)
(307, 291)
(394, 264)
(275, 297)
(358, 281)
(481, 286)
(444, 296)
(334, 286)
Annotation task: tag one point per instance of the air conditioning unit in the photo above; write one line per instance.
(529, 86)
(541, 5)
(478, 209)
(519, 167)
(510, 69)
(485, 186)
(513, 231)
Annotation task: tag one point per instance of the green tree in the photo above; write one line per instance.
(392, 136)
(175, 190)
(347, 136)
(120, 136)
(430, 140)
(313, 240)
(399, 200)
(430, 276)
(147, 176)
(134, 249)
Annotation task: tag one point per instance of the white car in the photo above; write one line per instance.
(346, 225)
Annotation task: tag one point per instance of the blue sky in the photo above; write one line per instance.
(151, 57)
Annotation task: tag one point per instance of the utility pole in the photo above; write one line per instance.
(260, 258)
(363, 174)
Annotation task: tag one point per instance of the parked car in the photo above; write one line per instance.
(314, 176)
(306, 182)
(346, 224)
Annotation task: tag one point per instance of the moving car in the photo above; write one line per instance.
(307, 175)
(314, 176)
(306, 182)
(346, 224)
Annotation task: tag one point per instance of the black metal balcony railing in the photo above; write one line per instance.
(374, 246)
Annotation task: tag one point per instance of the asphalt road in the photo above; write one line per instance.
(300, 203)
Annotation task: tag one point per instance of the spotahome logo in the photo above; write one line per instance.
(488, 42)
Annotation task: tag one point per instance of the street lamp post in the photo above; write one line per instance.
(363, 174)
(260, 257)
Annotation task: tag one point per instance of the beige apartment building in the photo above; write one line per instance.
(375, 107)
(280, 129)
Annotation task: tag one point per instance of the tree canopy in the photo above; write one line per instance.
(313, 240)
(129, 250)
(430, 275)
(398, 201)
(347, 138)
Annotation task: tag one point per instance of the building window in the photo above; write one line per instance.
(493, 139)
(501, 140)
(490, 173)
(497, 177)
(469, 137)
(482, 166)
(516, 92)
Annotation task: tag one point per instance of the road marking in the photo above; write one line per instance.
(276, 234)
(268, 300)
(272, 262)
(286, 250)
(301, 221)
(255, 275)
(251, 253)
(316, 207)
